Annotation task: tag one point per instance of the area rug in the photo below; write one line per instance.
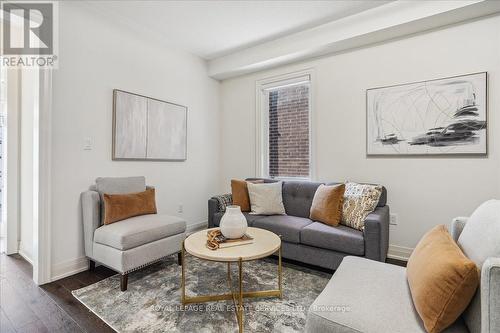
(152, 301)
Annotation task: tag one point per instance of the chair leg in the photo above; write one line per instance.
(179, 258)
(123, 282)
(91, 265)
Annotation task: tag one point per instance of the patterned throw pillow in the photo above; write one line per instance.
(359, 201)
(223, 201)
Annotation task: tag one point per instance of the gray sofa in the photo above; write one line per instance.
(131, 244)
(313, 242)
(368, 296)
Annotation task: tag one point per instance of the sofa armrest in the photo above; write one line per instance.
(457, 225)
(376, 234)
(213, 208)
(490, 296)
(91, 218)
(216, 204)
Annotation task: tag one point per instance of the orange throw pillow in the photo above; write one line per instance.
(442, 279)
(327, 204)
(239, 192)
(119, 207)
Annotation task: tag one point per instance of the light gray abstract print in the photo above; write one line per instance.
(443, 116)
(148, 129)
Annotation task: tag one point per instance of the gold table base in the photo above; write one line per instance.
(238, 296)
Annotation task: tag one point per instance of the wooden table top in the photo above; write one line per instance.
(265, 243)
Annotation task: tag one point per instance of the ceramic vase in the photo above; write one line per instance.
(233, 223)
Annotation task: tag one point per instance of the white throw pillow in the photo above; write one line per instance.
(266, 199)
(480, 238)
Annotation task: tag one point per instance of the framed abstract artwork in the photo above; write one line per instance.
(146, 128)
(437, 117)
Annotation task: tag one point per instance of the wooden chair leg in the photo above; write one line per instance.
(91, 265)
(123, 282)
(179, 258)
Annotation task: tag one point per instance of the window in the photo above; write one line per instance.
(285, 128)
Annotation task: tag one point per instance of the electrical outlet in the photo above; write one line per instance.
(180, 208)
(393, 219)
(87, 143)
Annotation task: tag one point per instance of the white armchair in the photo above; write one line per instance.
(479, 237)
(130, 244)
(369, 296)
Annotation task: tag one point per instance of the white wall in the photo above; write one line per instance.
(423, 192)
(97, 56)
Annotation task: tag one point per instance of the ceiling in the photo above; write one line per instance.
(211, 29)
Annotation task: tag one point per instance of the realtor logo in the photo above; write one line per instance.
(29, 34)
(36, 28)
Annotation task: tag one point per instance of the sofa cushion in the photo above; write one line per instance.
(367, 296)
(298, 197)
(251, 218)
(138, 230)
(340, 238)
(288, 227)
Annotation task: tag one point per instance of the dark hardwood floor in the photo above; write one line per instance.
(26, 307)
(60, 292)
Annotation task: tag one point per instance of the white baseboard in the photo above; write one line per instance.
(70, 267)
(399, 252)
(25, 256)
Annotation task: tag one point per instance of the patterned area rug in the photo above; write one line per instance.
(152, 301)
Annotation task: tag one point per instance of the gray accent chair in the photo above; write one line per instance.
(131, 244)
(313, 242)
(369, 296)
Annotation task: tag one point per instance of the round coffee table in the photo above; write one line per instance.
(265, 243)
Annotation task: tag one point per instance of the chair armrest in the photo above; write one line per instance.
(91, 218)
(490, 296)
(376, 234)
(457, 225)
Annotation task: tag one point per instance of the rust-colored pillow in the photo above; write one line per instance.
(119, 207)
(327, 204)
(239, 192)
(442, 279)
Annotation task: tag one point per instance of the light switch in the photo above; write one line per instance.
(87, 143)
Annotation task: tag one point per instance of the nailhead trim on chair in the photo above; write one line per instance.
(147, 264)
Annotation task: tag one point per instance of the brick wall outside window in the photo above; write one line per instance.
(289, 132)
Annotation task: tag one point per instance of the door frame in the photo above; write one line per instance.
(42, 145)
(42, 254)
(11, 153)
